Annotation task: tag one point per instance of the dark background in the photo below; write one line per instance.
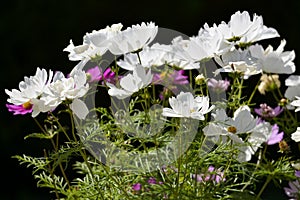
(33, 34)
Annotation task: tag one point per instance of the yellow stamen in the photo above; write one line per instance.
(231, 129)
(27, 105)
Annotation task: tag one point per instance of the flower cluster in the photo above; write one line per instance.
(248, 141)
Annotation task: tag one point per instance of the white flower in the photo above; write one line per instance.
(185, 105)
(131, 83)
(259, 135)
(133, 38)
(175, 56)
(101, 38)
(274, 61)
(150, 56)
(94, 44)
(242, 122)
(237, 61)
(31, 88)
(86, 51)
(242, 29)
(293, 90)
(203, 46)
(64, 89)
(296, 103)
(296, 135)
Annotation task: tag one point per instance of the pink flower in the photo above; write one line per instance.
(275, 136)
(170, 78)
(110, 76)
(20, 109)
(212, 175)
(266, 111)
(137, 187)
(218, 85)
(151, 180)
(297, 173)
(293, 190)
(93, 74)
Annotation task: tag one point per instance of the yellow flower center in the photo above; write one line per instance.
(27, 105)
(231, 129)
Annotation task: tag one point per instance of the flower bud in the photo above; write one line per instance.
(200, 79)
(268, 83)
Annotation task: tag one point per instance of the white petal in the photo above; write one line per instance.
(167, 112)
(79, 108)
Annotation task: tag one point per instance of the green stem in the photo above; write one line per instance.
(52, 176)
(60, 126)
(253, 93)
(269, 178)
(83, 154)
(56, 150)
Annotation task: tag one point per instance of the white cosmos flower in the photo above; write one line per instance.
(238, 61)
(131, 83)
(242, 29)
(101, 38)
(185, 105)
(242, 122)
(150, 56)
(133, 38)
(259, 135)
(65, 89)
(277, 61)
(94, 44)
(175, 54)
(293, 90)
(296, 103)
(31, 88)
(208, 43)
(296, 135)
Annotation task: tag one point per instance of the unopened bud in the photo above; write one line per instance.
(283, 146)
(268, 83)
(200, 79)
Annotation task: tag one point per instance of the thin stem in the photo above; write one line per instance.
(40, 126)
(83, 154)
(253, 93)
(138, 55)
(52, 176)
(61, 127)
(240, 87)
(269, 178)
(56, 150)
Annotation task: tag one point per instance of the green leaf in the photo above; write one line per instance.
(39, 135)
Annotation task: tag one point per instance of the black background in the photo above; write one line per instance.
(33, 34)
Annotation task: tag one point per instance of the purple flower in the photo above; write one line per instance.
(297, 173)
(212, 175)
(220, 177)
(137, 187)
(110, 76)
(20, 109)
(198, 177)
(151, 180)
(292, 190)
(218, 85)
(94, 74)
(168, 78)
(275, 136)
(266, 111)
